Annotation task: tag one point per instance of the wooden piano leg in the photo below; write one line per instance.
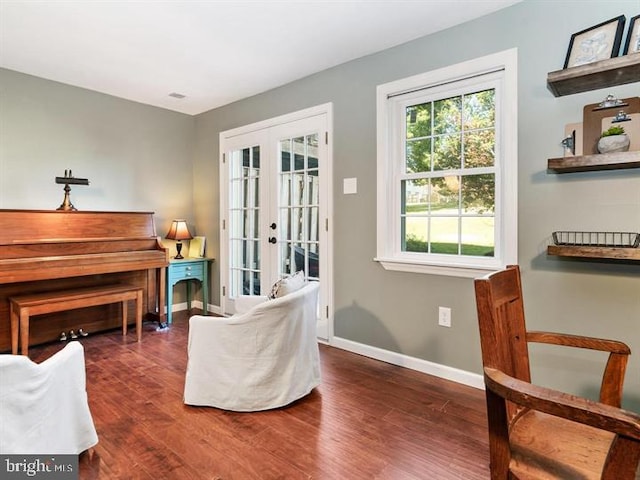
(124, 317)
(15, 326)
(161, 287)
(139, 315)
(24, 330)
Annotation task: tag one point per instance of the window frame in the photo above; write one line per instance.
(392, 98)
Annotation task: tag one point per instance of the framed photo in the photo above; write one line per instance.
(632, 45)
(595, 43)
(196, 247)
(593, 115)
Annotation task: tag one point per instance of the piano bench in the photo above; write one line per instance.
(22, 307)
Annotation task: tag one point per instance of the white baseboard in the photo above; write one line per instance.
(442, 371)
(178, 307)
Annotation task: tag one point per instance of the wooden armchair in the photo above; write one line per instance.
(537, 432)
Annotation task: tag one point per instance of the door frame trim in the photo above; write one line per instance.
(325, 324)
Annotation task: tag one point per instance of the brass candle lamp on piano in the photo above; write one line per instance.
(67, 180)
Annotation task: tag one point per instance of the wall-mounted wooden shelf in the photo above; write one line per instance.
(589, 163)
(602, 74)
(596, 75)
(607, 253)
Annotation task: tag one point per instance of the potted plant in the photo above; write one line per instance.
(613, 140)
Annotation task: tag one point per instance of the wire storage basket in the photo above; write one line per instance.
(597, 239)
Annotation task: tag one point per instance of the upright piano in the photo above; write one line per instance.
(50, 250)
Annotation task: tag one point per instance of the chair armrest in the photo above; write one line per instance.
(564, 339)
(613, 375)
(244, 303)
(553, 402)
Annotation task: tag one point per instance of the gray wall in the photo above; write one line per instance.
(136, 157)
(398, 311)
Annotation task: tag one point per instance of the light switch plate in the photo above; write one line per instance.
(349, 186)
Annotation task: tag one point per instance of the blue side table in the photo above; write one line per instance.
(188, 269)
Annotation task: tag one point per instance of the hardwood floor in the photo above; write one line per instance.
(368, 420)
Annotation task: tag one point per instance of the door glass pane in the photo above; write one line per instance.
(313, 188)
(285, 258)
(244, 221)
(298, 153)
(297, 219)
(285, 189)
(285, 224)
(299, 206)
(298, 188)
(285, 155)
(312, 224)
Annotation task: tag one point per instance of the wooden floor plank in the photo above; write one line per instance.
(367, 420)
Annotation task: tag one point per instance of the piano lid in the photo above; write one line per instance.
(53, 226)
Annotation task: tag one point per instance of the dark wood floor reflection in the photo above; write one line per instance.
(368, 420)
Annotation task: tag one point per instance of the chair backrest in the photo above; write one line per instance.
(276, 322)
(503, 334)
(43, 406)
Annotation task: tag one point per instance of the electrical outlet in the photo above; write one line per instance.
(444, 316)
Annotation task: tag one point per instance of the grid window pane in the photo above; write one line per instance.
(445, 195)
(418, 120)
(419, 155)
(416, 234)
(479, 149)
(447, 115)
(478, 236)
(479, 110)
(478, 193)
(444, 235)
(447, 152)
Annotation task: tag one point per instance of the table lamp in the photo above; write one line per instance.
(179, 231)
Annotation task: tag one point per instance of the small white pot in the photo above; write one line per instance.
(614, 143)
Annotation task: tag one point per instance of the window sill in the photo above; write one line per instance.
(400, 265)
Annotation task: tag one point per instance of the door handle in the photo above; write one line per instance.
(272, 240)
(273, 226)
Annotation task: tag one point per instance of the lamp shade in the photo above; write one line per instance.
(179, 231)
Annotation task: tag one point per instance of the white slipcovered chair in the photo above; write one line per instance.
(264, 358)
(44, 407)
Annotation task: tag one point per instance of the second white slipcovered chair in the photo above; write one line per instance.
(264, 358)
(43, 406)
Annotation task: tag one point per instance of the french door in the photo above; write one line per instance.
(275, 208)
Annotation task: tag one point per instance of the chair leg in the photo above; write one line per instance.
(499, 450)
(622, 460)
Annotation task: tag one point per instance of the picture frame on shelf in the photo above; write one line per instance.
(574, 132)
(595, 43)
(632, 44)
(594, 113)
(196, 247)
(631, 125)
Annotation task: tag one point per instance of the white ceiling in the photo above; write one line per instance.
(214, 52)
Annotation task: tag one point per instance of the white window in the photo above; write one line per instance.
(447, 169)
